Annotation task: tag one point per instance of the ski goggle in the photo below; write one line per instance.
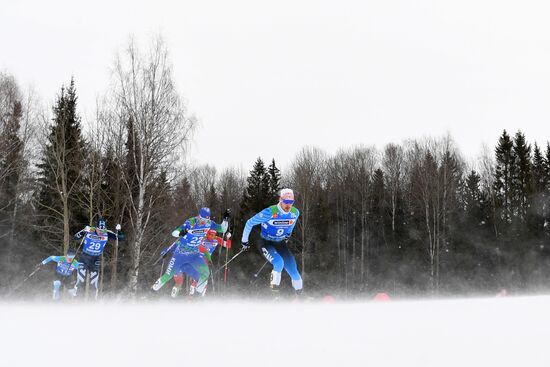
(288, 201)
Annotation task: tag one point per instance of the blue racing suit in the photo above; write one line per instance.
(276, 227)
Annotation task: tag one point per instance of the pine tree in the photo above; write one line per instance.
(522, 180)
(546, 202)
(60, 172)
(274, 175)
(538, 198)
(504, 173)
(472, 200)
(11, 161)
(257, 193)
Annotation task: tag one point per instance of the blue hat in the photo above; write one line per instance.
(204, 213)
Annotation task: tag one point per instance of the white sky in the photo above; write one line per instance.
(266, 78)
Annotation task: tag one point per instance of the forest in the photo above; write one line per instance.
(414, 218)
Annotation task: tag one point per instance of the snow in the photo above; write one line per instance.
(472, 332)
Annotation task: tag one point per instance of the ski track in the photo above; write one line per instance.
(470, 332)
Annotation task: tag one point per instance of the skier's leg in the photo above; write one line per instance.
(94, 276)
(291, 267)
(271, 255)
(80, 278)
(56, 289)
(178, 280)
(81, 273)
(197, 269)
(172, 269)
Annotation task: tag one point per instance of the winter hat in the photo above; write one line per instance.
(287, 196)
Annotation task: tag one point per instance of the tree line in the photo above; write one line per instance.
(409, 219)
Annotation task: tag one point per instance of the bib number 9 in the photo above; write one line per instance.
(280, 232)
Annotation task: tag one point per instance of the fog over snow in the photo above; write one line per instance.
(469, 332)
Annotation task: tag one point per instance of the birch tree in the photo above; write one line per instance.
(157, 128)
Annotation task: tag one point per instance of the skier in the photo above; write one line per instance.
(207, 247)
(277, 222)
(187, 257)
(66, 265)
(95, 239)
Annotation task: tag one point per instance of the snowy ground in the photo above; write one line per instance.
(473, 332)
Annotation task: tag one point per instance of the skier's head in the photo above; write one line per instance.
(204, 213)
(71, 253)
(286, 199)
(211, 234)
(101, 224)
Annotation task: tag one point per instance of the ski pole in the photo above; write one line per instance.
(259, 271)
(38, 267)
(164, 255)
(161, 267)
(223, 266)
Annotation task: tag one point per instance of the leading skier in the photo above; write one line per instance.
(277, 223)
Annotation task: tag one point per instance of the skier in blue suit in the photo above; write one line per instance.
(277, 223)
(66, 265)
(95, 239)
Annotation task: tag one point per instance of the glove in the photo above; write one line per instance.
(87, 228)
(227, 235)
(245, 246)
(226, 214)
(177, 233)
(118, 227)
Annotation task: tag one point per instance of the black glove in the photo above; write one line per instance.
(226, 214)
(245, 246)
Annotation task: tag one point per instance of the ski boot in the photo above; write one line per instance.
(72, 291)
(160, 282)
(175, 291)
(275, 292)
(298, 296)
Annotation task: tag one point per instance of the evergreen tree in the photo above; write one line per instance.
(504, 174)
(546, 201)
(274, 176)
(59, 172)
(539, 196)
(472, 200)
(522, 180)
(257, 194)
(11, 160)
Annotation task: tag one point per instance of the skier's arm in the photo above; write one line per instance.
(294, 224)
(168, 249)
(51, 258)
(78, 235)
(113, 236)
(182, 230)
(259, 218)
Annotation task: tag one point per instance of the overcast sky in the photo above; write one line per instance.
(266, 78)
